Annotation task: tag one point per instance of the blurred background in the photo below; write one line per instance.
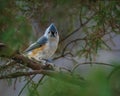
(89, 32)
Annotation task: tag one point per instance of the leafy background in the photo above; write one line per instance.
(89, 32)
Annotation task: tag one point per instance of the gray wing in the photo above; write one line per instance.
(41, 41)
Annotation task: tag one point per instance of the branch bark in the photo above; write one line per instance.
(2, 45)
(76, 30)
(34, 65)
(47, 70)
(64, 76)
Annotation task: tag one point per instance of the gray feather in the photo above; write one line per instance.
(41, 41)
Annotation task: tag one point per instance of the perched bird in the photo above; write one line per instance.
(45, 46)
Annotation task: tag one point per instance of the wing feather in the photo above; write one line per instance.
(40, 42)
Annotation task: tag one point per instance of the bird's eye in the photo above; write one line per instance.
(49, 32)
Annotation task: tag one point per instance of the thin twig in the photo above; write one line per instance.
(113, 50)
(2, 45)
(25, 85)
(80, 17)
(9, 64)
(76, 30)
(117, 68)
(88, 63)
(71, 43)
(39, 81)
(15, 84)
(64, 76)
(62, 55)
(20, 74)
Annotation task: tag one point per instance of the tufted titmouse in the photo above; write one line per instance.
(45, 46)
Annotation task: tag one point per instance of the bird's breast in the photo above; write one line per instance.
(36, 52)
(44, 51)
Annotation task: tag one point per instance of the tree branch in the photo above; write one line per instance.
(38, 68)
(76, 30)
(63, 54)
(2, 45)
(64, 76)
(25, 85)
(87, 63)
(34, 65)
(9, 64)
(39, 81)
(71, 43)
(19, 74)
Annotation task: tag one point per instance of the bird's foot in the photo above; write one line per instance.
(48, 62)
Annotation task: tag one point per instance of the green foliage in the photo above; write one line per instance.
(32, 90)
(95, 19)
(98, 86)
(65, 13)
(15, 31)
(115, 82)
(53, 87)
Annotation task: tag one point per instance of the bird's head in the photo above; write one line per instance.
(51, 32)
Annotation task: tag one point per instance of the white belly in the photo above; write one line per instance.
(47, 52)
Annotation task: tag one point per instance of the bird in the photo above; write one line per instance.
(45, 46)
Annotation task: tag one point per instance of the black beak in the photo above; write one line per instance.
(53, 34)
(53, 30)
